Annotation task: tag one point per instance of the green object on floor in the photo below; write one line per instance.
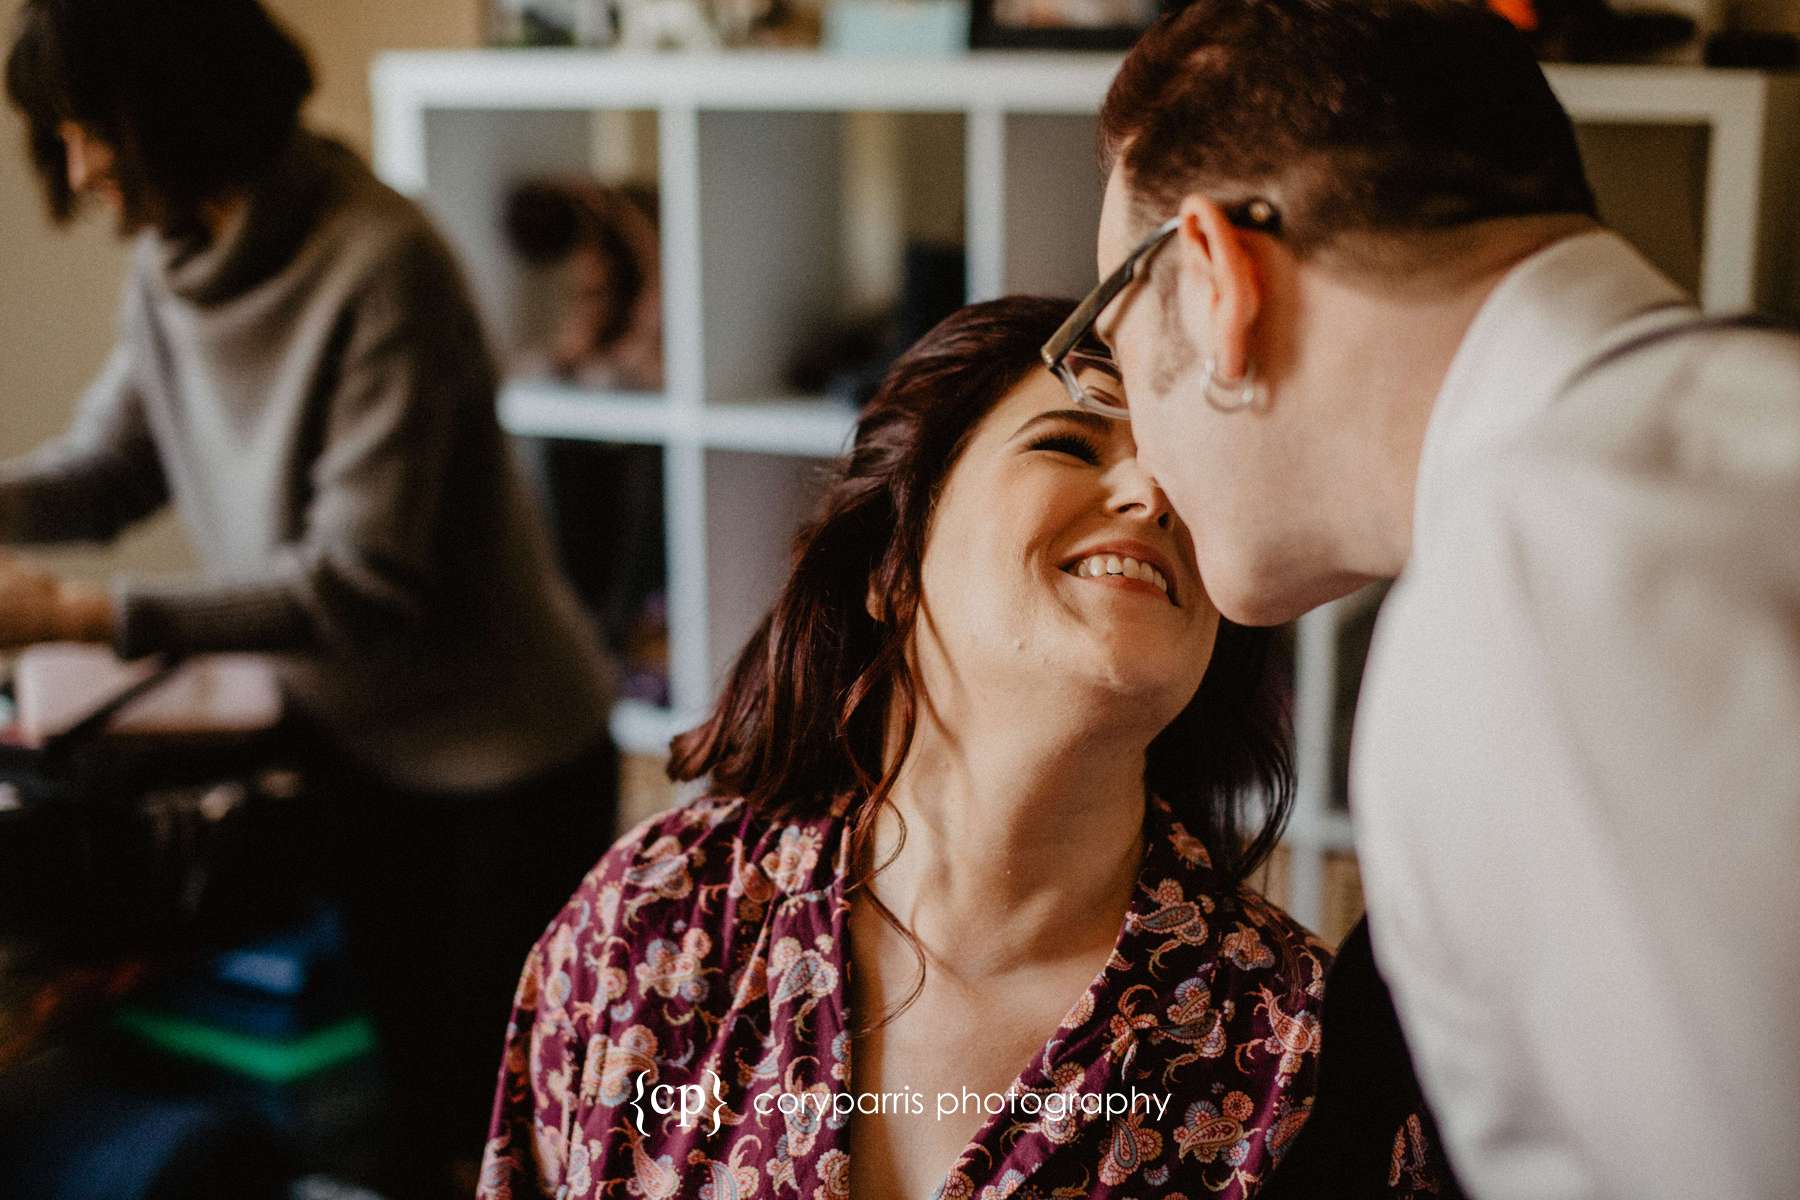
(262, 1058)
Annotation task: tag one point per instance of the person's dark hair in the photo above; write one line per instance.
(195, 97)
(1355, 117)
(803, 719)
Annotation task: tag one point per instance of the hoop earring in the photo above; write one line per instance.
(1233, 395)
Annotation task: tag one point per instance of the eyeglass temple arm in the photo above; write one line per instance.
(1070, 331)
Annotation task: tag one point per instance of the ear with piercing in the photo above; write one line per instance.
(1237, 395)
(1229, 395)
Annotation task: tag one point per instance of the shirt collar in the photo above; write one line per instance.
(1548, 316)
(262, 233)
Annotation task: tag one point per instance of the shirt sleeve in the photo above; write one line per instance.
(1582, 878)
(95, 480)
(526, 1157)
(559, 1062)
(414, 370)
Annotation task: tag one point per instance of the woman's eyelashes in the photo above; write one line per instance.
(1073, 444)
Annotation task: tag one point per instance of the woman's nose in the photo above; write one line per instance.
(1137, 490)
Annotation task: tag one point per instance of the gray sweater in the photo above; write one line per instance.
(313, 392)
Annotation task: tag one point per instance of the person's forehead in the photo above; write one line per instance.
(1037, 391)
(1041, 392)
(1114, 241)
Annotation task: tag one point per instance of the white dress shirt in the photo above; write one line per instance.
(1576, 776)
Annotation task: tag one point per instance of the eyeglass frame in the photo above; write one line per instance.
(1255, 214)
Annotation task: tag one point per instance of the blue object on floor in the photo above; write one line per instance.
(286, 985)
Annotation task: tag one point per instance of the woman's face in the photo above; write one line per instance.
(1055, 568)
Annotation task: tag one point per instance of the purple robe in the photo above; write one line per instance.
(681, 1029)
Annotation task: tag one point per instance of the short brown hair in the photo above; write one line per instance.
(1353, 116)
(195, 97)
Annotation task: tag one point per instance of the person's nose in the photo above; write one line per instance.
(1135, 491)
(75, 155)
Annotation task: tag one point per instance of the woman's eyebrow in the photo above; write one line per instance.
(1091, 421)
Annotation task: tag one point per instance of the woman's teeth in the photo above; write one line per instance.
(1097, 565)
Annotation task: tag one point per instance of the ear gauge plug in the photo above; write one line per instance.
(1229, 395)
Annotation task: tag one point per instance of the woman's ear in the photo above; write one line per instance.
(872, 604)
(1218, 277)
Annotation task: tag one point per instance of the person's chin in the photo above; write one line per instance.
(1131, 666)
(1245, 586)
(1260, 599)
(1254, 607)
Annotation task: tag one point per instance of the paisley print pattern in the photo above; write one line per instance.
(681, 1030)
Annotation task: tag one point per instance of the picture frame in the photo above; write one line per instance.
(1059, 24)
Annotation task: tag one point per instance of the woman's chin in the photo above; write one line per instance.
(1136, 675)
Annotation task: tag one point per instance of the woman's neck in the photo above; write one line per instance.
(1021, 842)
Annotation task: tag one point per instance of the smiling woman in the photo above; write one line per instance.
(962, 910)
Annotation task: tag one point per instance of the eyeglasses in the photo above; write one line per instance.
(1073, 346)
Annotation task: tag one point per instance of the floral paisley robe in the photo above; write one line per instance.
(708, 947)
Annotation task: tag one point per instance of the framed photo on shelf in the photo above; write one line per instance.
(1058, 24)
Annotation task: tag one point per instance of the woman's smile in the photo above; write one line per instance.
(1129, 567)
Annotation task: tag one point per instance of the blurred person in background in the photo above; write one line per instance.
(301, 372)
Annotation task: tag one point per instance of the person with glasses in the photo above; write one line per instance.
(1371, 327)
(982, 796)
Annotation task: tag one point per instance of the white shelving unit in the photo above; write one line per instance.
(767, 224)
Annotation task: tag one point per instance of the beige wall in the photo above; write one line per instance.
(344, 36)
(58, 290)
(57, 296)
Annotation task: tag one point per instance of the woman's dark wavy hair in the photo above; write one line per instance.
(803, 716)
(195, 97)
